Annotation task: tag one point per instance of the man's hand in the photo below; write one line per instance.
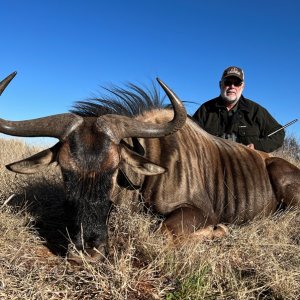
(251, 146)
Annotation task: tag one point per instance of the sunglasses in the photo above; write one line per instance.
(229, 82)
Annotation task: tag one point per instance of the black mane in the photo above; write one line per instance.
(130, 101)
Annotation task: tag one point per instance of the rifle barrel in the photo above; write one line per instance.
(284, 126)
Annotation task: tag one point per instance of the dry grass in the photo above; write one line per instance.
(258, 261)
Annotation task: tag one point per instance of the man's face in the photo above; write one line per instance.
(231, 88)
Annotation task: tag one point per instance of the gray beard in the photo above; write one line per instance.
(229, 101)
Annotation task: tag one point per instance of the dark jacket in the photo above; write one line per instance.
(248, 123)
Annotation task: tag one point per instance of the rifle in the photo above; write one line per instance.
(281, 128)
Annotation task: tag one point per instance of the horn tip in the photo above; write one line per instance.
(162, 84)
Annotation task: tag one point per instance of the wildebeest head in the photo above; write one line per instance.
(89, 153)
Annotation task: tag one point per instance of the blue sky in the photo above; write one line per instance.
(66, 50)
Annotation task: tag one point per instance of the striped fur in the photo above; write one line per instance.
(204, 171)
(210, 180)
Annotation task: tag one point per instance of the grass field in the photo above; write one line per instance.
(260, 260)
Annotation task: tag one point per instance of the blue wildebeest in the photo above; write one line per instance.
(197, 181)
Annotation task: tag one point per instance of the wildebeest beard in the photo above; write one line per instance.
(87, 206)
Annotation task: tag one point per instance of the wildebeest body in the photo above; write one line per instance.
(192, 178)
(233, 185)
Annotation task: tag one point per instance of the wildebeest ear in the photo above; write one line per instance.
(140, 164)
(35, 162)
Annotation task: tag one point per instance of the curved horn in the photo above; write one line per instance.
(57, 126)
(5, 82)
(127, 127)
